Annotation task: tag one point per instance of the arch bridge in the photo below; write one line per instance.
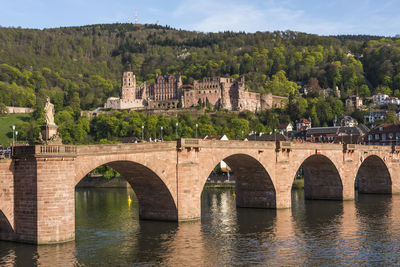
(37, 186)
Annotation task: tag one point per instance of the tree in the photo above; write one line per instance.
(338, 107)
(391, 117)
(238, 126)
(364, 91)
(3, 110)
(279, 85)
(313, 87)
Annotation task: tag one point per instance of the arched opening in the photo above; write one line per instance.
(6, 229)
(252, 183)
(373, 177)
(154, 198)
(321, 179)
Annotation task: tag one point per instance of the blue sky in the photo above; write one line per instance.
(312, 16)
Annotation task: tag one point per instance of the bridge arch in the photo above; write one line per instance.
(254, 186)
(6, 229)
(373, 177)
(156, 201)
(321, 178)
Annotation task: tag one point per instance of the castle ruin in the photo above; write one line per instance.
(169, 92)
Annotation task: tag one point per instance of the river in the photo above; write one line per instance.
(108, 233)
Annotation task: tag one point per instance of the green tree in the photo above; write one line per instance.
(279, 85)
(3, 110)
(238, 126)
(391, 117)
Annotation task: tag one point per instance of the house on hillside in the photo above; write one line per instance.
(303, 125)
(373, 116)
(379, 99)
(285, 128)
(354, 101)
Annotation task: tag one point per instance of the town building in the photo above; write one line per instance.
(384, 134)
(322, 134)
(348, 121)
(168, 92)
(376, 115)
(351, 134)
(337, 134)
(285, 128)
(379, 99)
(303, 125)
(382, 99)
(354, 101)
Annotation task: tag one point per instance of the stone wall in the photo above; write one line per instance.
(19, 110)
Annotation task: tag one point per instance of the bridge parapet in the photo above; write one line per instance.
(189, 143)
(44, 151)
(125, 148)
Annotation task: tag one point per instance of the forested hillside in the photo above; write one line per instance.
(79, 67)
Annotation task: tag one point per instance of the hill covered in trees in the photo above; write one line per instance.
(79, 67)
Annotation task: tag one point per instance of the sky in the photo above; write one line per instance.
(323, 17)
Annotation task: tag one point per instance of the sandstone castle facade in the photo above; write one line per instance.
(169, 92)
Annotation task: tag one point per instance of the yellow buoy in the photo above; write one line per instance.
(129, 200)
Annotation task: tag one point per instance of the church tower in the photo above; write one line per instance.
(128, 85)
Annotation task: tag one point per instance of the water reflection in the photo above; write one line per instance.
(108, 232)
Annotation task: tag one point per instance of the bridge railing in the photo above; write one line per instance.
(44, 150)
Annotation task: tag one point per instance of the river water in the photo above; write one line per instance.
(108, 233)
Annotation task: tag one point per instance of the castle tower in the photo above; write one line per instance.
(128, 85)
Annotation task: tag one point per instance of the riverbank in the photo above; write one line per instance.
(212, 185)
(102, 182)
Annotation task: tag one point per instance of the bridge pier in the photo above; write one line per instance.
(44, 197)
(189, 188)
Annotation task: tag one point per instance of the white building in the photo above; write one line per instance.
(393, 100)
(303, 125)
(373, 116)
(379, 99)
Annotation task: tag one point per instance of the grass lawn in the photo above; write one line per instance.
(5, 126)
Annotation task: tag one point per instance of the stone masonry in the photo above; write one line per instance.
(37, 203)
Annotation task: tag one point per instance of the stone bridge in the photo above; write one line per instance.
(37, 186)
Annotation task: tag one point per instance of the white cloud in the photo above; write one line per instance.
(270, 15)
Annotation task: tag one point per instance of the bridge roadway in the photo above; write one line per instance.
(37, 186)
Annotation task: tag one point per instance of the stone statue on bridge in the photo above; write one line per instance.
(49, 112)
(49, 131)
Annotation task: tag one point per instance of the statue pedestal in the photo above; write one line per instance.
(49, 134)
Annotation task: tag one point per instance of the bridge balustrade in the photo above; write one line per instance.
(44, 150)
